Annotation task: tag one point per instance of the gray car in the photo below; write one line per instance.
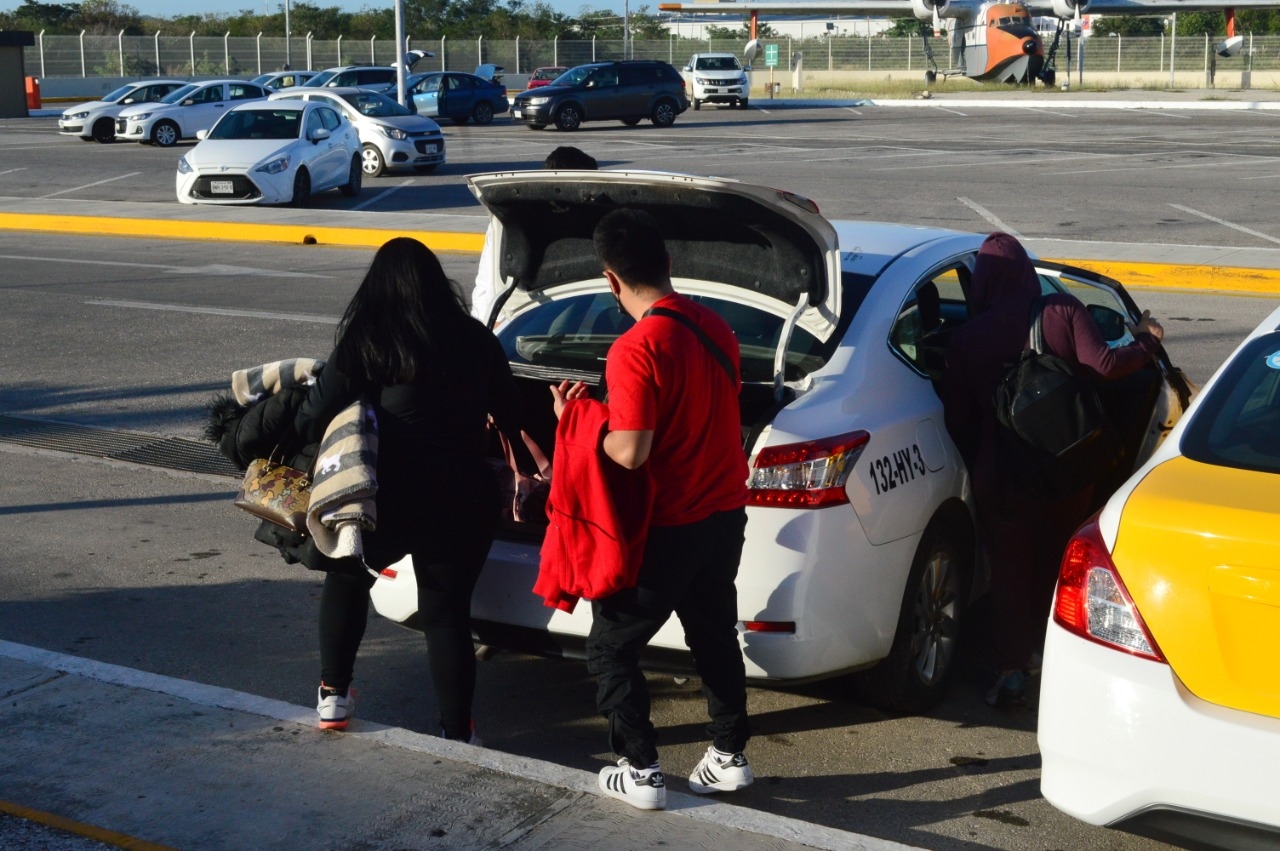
(628, 91)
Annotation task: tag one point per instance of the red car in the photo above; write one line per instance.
(543, 76)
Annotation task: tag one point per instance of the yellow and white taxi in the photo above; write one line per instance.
(1160, 701)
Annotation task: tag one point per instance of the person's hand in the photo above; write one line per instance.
(565, 391)
(1149, 325)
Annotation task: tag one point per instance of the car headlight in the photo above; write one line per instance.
(742, 80)
(393, 132)
(275, 166)
(703, 81)
(537, 101)
(76, 116)
(184, 167)
(140, 117)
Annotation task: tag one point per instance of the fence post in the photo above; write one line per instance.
(909, 42)
(83, 70)
(120, 43)
(555, 50)
(308, 51)
(226, 51)
(830, 67)
(443, 41)
(1173, 48)
(373, 51)
(517, 54)
(1119, 45)
(1208, 79)
(158, 69)
(42, 54)
(191, 40)
(258, 47)
(593, 48)
(339, 51)
(480, 50)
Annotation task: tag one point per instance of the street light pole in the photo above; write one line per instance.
(288, 61)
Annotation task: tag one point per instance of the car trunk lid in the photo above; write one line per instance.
(1197, 549)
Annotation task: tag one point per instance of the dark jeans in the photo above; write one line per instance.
(689, 570)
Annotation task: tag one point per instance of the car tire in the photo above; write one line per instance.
(355, 178)
(536, 126)
(1050, 78)
(372, 163)
(104, 131)
(664, 113)
(743, 103)
(424, 169)
(460, 119)
(301, 189)
(165, 134)
(697, 104)
(915, 674)
(569, 117)
(483, 113)
(631, 122)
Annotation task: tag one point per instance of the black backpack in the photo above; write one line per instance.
(1055, 433)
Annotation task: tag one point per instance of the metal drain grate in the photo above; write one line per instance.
(172, 453)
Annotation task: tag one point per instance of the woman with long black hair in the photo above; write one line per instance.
(433, 376)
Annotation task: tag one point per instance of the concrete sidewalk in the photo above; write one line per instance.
(144, 761)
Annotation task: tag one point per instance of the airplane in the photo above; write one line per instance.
(989, 39)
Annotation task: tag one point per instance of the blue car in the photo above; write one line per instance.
(459, 96)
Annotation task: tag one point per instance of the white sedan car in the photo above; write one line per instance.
(272, 152)
(860, 550)
(1160, 699)
(96, 119)
(391, 136)
(185, 112)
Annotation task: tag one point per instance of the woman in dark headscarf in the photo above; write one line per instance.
(1023, 533)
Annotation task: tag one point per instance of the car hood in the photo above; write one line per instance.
(407, 123)
(549, 90)
(148, 108)
(90, 106)
(719, 75)
(1197, 549)
(235, 153)
(765, 243)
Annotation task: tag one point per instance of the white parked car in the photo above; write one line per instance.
(280, 80)
(1160, 697)
(96, 119)
(391, 135)
(860, 550)
(272, 152)
(717, 78)
(185, 112)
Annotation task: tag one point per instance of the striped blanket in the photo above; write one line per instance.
(258, 382)
(344, 483)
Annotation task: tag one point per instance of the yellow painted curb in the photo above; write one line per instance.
(1169, 276)
(235, 231)
(88, 831)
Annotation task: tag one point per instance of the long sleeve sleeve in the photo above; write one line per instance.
(1071, 333)
(332, 392)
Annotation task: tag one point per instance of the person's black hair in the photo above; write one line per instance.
(403, 319)
(569, 158)
(629, 243)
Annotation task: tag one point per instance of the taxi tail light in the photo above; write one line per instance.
(1092, 602)
(806, 475)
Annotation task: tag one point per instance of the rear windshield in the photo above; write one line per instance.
(575, 333)
(1238, 423)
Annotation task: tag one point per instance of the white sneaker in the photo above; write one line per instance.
(720, 772)
(335, 711)
(644, 788)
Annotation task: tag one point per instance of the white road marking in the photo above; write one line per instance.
(1051, 112)
(989, 216)
(1225, 223)
(211, 269)
(952, 111)
(216, 311)
(89, 185)
(1259, 177)
(12, 170)
(383, 194)
(854, 111)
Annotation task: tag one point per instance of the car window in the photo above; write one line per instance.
(429, 84)
(245, 91)
(178, 95)
(462, 83)
(376, 105)
(212, 94)
(329, 118)
(603, 78)
(118, 94)
(321, 79)
(257, 124)
(576, 76)
(314, 123)
(933, 310)
(1238, 422)
(376, 76)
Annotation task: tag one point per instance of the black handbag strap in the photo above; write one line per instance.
(716, 351)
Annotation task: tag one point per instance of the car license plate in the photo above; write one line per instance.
(515, 113)
(221, 187)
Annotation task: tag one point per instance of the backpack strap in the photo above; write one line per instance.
(1035, 337)
(716, 351)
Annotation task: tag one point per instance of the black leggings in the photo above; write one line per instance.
(444, 612)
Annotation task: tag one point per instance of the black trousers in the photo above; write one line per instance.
(689, 570)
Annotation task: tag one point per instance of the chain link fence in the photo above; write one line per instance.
(191, 56)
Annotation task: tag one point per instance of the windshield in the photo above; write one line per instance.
(547, 73)
(119, 93)
(575, 333)
(1238, 423)
(717, 63)
(575, 76)
(376, 105)
(258, 124)
(179, 95)
(319, 79)
(261, 78)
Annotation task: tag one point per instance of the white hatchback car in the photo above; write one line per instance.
(272, 152)
(185, 112)
(860, 550)
(391, 136)
(96, 119)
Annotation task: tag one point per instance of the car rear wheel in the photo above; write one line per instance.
(301, 188)
(915, 674)
(743, 103)
(568, 117)
(536, 126)
(460, 119)
(355, 177)
(631, 122)
(165, 134)
(371, 160)
(697, 104)
(664, 113)
(104, 131)
(483, 113)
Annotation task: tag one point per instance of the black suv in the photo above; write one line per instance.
(628, 91)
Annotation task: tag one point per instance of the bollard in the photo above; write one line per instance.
(33, 92)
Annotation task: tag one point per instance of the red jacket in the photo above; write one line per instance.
(598, 512)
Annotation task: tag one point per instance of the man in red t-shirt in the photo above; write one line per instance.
(673, 384)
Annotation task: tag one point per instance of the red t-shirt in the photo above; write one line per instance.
(661, 377)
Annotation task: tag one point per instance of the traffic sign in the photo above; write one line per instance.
(771, 55)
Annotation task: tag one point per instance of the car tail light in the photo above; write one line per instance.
(806, 475)
(1092, 602)
(770, 626)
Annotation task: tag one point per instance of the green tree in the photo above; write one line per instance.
(763, 30)
(1128, 25)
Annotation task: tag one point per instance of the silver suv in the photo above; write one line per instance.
(717, 78)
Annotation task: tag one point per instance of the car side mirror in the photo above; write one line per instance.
(1112, 323)
(688, 69)
(201, 135)
(189, 102)
(320, 135)
(128, 100)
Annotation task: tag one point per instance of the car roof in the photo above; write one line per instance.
(272, 103)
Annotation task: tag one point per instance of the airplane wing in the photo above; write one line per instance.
(1153, 7)
(904, 8)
